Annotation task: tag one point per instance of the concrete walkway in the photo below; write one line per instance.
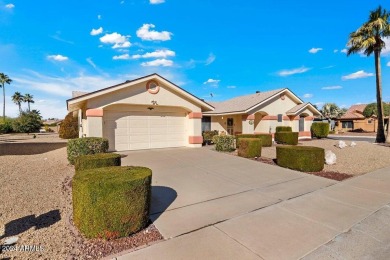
(209, 205)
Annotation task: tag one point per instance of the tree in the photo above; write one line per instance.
(29, 99)
(4, 79)
(18, 98)
(331, 110)
(28, 122)
(372, 110)
(69, 127)
(369, 39)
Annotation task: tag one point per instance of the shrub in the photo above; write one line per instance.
(84, 146)
(283, 129)
(27, 122)
(99, 160)
(319, 130)
(111, 202)
(301, 158)
(266, 139)
(69, 127)
(208, 136)
(249, 147)
(224, 143)
(6, 126)
(286, 138)
(48, 129)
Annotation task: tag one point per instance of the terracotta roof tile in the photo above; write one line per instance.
(354, 112)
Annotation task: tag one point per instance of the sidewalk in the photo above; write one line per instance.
(348, 220)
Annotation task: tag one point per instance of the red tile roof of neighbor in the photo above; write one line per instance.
(354, 112)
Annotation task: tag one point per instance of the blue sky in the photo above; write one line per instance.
(227, 48)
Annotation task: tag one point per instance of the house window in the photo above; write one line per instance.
(206, 123)
(347, 124)
(280, 118)
(370, 121)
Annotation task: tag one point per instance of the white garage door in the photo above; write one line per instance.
(137, 130)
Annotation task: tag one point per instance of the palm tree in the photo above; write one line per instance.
(331, 111)
(369, 39)
(18, 98)
(4, 79)
(29, 99)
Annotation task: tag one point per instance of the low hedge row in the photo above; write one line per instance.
(319, 130)
(224, 143)
(283, 129)
(266, 139)
(84, 146)
(301, 158)
(249, 147)
(286, 138)
(111, 202)
(99, 160)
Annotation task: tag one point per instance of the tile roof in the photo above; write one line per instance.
(296, 108)
(78, 93)
(354, 112)
(241, 103)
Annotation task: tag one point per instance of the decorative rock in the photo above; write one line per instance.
(353, 144)
(11, 241)
(341, 144)
(330, 157)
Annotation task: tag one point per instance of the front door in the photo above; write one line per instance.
(301, 124)
(230, 124)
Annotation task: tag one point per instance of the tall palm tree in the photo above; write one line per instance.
(18, 98)
(331, 111)
(29, 99)
(3, 80)
(369, 39)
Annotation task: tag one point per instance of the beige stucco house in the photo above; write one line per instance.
(152, 112)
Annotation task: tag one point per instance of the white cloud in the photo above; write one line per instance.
(155, 54)
(388, 64)
(332, 87)
(158, 62)
(121, 57)
(210, 59)
(357, 75)
(99, 16)
(119, 41)
(96, 31)
(344, 51)
(57, 57)
(156, 2)
(9, 6)
(335, 50)
(231, 86)
(285, 73)
(386, 50)
(315, 50)
(150, 35)
(213, 82)
(308, 95)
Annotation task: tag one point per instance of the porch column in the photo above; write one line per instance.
(195, 138)
(248, 124)
(95, 122)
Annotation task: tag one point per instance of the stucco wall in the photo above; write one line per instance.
(220, 123)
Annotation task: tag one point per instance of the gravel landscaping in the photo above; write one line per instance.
(36, 181)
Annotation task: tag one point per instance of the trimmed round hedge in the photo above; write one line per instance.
(98, 160)
(86, 145)
(301, 158)
(319, 130)
(283, 129)
(249, 147)
(266, 139)
(111, 202)
(290, 138)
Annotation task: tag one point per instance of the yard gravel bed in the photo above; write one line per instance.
(36, 204)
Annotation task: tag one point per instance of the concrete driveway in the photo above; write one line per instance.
(210, 205)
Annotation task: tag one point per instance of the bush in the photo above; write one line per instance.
(99, 160)
(84, 146)
(266, 139)
(301, 158)
(224, 143)
(249, 147)
(69, 127)
(286, 138)
(283, 129)
(111, 202)
(48, 129)
(208, 136)
(6, 126)
(319, 130)
(27, 122)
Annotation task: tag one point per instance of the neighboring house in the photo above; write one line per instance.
(152, 112)
(354, 119)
